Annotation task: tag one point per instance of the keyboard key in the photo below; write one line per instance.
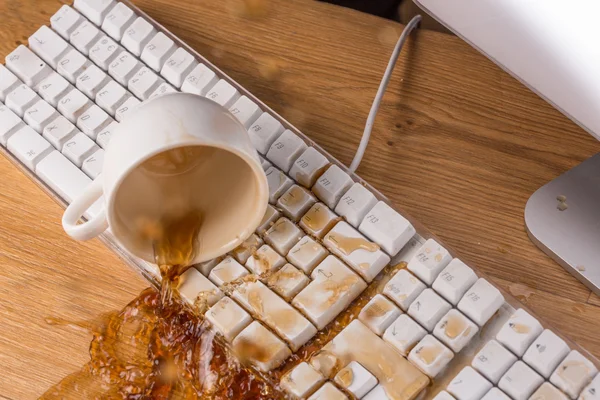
(548, 392)
(454, 281)
(455, 330)
(21, 99)
(520, 381)
(223, 93)
(73, 105)
(124, 67)
(48, 45)
(402, 379)
(247, 248)
(430, 356)
(295, 202)
(307, 254)
(546, 352)
(334, 286)
(104, 51)
(53, 88)
(302, 380)
(428, 308)
(332, 185)
(65, 179)
(283, 235)
(591, 391)
(328, 392)
(92, 165)
(39, 115)
(378, 393)
(111, 97)
(519, 332)
(65, 21)
(126, 108)
(29, 147)
(573, 374)
(264, 131)
(163, 88)
(309, 166)
(386, 227)
(285, 150)
(27, 66)
(379, 314)
(208, 266)
(355, 379)
(226, 271)
(271, 215)
(117, 21)
(91, 81)
(496, 394)
(264, 260)
(84, 36)
(72, 65)
(144, 83)
(469, 385)
(355, 204)
(278, 182)
(9, 123)
(403, 289)
(103, 137)
(404, 333)
(137, 36)
(59, 131)
(157, 51)
(493, 361)
(245, 110)
(443, 395)
(429, 261)
(318, 220)
(93, 120)
(228, 318)
(201, 80)
(363, 256)
(94, 10)
(274, 312)
(78, 148)
(258, 346)
(481, 302)
(8, 82)
(288, 282)
(193, 287)
(178, 67)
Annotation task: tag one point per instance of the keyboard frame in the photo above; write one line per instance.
(151, 274)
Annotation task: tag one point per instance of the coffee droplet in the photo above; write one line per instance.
(348, 245)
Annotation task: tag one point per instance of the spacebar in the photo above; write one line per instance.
(399, 378)
(68, 181)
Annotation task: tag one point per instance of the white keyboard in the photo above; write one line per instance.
(335, 248)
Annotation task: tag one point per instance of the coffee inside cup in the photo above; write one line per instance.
(205, 194)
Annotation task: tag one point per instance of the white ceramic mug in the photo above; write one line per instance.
(173, 152)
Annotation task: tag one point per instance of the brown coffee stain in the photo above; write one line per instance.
(347, 245)
(521, 292)
(311, 179)
(580, 268)
(428, 354)
(376, 309)
(252, 9)
(337, 289)
(317, 219)
(247, 247)
(438, 257)
(282, 278)
(255, 302)
(455, 326)
(573, 371)
(519, 328)
(264, 261)
(345, 377)
(294, 196)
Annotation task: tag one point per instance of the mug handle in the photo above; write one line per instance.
(94, 226)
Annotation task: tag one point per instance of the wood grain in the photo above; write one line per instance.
(458, 144)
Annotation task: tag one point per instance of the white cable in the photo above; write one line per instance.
(364, 141)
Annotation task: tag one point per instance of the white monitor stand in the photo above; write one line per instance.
(552, 49)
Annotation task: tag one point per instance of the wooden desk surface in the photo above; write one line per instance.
(458, 144)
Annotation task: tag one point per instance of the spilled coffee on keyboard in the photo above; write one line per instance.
(159, 347)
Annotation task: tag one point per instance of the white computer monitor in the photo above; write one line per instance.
(552, 46)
